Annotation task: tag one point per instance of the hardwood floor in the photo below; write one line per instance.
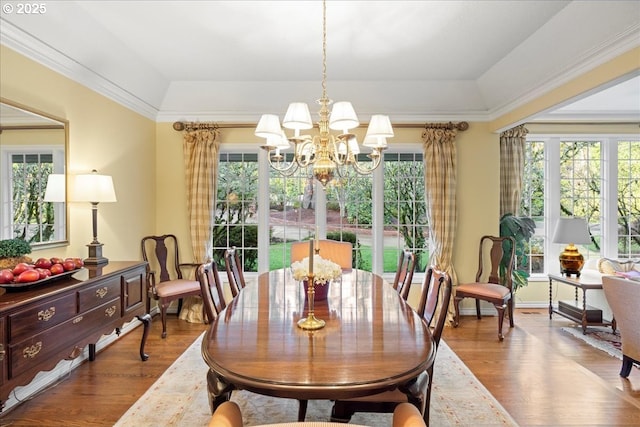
(541, 375)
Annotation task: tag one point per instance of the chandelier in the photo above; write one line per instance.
(327, 154)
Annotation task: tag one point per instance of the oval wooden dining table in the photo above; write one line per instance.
(373, 341)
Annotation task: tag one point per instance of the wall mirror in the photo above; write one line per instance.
(33, 153)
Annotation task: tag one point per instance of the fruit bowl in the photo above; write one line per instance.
(44, 270)
(26, 285)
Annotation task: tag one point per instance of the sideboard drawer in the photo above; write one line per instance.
(38, 348)
(98, 294)
(33, 320)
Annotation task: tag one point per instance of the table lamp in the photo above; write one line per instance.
(94, 188)
(55, 191)
(571, 231)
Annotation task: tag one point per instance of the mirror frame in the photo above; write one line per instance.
(65, 127)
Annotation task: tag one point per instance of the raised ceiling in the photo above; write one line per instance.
(231, 61)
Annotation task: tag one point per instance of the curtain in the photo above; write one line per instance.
(200, 149)
(511, 169)
(440, 194)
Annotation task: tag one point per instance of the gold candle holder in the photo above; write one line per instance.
(310, 323)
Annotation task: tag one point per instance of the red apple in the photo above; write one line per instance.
(56, 269)
(43, 272)
(28, 276)
(79, 263)
(43, 263)
(6, 276)
(22, 267)
(56, 260)
(69, 265)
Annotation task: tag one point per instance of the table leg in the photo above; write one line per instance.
(219, 390)
(550, 298)
(584, 310)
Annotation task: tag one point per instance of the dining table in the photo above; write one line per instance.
(372, 341)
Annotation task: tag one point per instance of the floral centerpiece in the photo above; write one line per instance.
(324, 270)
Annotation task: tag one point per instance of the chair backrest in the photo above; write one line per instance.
(161, 252)
(623, 296)
(436, 293)
(404, 273)
(339, 252)
(234, 270)
(211, 289)
(491, 253)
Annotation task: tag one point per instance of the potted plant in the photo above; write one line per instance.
(520, 228)
(13, 251)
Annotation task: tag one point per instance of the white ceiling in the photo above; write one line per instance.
(231, 61)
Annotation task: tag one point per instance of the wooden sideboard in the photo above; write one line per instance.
(55, 320)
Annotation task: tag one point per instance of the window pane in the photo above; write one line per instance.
(405, 220)
(237, 209)
(580, 187)
(533, 206)
(628, 199)
(33, 219)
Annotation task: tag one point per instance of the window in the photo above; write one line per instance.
(346, 204)
(236, 209)
(595, 177)
(25, 214)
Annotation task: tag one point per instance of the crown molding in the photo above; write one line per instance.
(38, 51)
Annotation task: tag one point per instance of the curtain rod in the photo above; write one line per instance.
(461, 126)
(189, 126)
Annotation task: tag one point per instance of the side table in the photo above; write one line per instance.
(578, 312)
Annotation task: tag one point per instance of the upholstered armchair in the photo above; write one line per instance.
(623, 295)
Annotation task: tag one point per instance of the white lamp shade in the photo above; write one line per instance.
(280, 142)
(56, 190)
(93, 188)
(572, 230)
(343, 117)
(380, 126)
(268, 126)
(297, 116)
(375, 141)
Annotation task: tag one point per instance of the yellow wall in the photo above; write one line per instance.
(103, 135)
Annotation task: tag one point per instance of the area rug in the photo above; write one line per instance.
(179, 398)
(602, 339)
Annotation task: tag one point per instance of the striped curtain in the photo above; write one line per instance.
(511, 169)
(440, 188)
(200, 148)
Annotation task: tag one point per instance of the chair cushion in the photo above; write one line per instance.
(176, 287)
(488, 290)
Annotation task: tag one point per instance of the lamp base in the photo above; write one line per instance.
(571, 261)
(95, 255)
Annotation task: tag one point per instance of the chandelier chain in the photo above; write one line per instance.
(324, 50)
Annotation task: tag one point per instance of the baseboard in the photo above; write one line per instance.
(45, 380)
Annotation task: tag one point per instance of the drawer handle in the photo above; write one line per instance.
(32, 351)
(109, 312)
(78, 319)
(46, 315)
(2, 352)
(100, 293)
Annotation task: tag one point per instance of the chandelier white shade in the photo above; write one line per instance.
(325, 153)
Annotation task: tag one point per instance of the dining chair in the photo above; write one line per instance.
(496, 287)
(169, 284)
(228, 414)
(432, 307)
(211, 289)
(404, 273)
(339, 252)
(234, 270)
